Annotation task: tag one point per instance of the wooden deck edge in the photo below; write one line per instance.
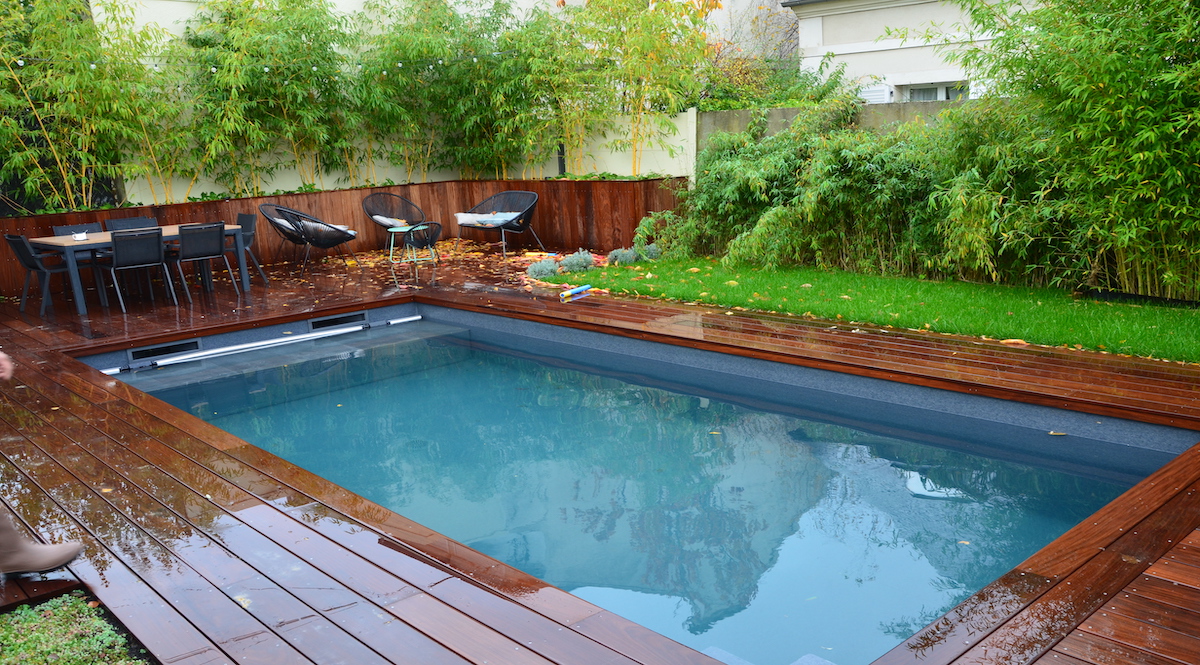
(1092, 542)
(1032, 396)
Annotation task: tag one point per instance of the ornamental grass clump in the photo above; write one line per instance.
(580, 261)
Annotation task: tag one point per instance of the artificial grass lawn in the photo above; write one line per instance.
(1036, 315)
(64, 631)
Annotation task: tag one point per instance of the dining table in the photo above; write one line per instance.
(69, 245)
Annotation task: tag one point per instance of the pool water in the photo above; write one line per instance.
(752, 535)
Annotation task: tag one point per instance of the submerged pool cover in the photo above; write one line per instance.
(758, 512)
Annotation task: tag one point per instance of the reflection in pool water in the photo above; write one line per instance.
(753, 536)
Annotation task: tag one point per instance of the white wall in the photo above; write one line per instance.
(856, 33)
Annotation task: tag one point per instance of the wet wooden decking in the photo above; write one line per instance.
(210, 550)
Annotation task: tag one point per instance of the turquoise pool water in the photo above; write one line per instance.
(755, 536)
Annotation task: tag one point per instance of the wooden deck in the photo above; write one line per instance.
(211, 550)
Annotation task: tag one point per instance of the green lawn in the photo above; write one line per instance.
(1036, 315)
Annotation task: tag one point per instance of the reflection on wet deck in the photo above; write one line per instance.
(211, 550)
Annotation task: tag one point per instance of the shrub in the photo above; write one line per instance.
(651, 252)
(580, 261)
(738, 178)
(621, 256)
(543, 269)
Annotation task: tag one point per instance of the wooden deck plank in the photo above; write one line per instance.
(1096, 650)
(1177, 622)
(246, 639)
(1165, 591)
(16, 590)
(161, 628)
(1151, 638)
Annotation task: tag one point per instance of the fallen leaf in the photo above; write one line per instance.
(1053, 433)
(1014, 342)
(731, 283)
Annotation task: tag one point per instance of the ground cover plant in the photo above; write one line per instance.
(65, 631)
(1033, 315)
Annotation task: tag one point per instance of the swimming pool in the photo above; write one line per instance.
(820, 523)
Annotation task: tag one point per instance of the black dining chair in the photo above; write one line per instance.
(249, 223)
(32, 261)
(84, 258)
(127, 223)
(506, 212)
(81, 255)
(201, 242)
(138, 248)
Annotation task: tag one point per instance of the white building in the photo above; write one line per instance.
(893, 69)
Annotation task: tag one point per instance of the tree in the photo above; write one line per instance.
(268, 81)
(69, 99)
(650, 53)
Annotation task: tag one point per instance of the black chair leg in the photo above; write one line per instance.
(44, 280)
(187, 291)
(539, 240)
(233, 279)
(307, 249)
(170, 287)
(117, 288)
(25, 290)
(261, 272)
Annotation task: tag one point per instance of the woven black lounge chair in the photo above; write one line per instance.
(506, 212)
(282, 226)
(390, 210)
(301, 228)
(403, 218)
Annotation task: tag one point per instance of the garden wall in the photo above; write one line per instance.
(571, 214)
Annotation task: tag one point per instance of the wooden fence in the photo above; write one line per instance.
(570, 214)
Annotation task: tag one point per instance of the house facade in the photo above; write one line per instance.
(892, 68)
